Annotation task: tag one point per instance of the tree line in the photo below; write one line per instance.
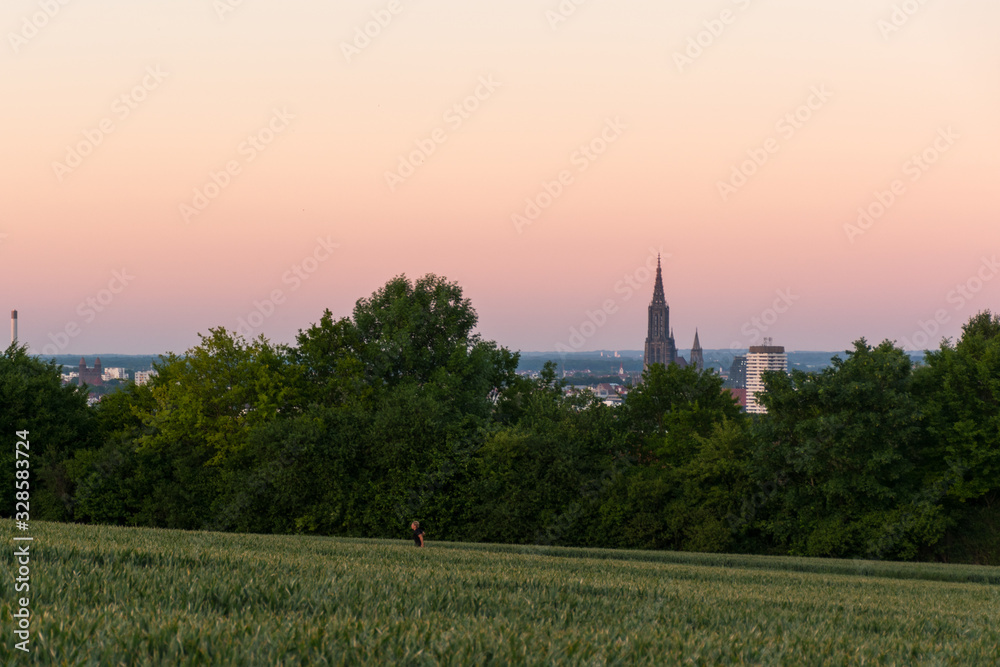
(401, 412)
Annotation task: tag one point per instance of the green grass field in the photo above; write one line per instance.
(110, 596)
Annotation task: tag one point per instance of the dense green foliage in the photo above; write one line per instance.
(58, 422)
(402, 412)
(110, 595)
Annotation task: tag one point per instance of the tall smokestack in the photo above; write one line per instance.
(13, 326)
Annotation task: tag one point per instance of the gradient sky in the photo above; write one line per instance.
(682, 128)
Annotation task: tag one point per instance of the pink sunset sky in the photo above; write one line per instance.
(172, 166)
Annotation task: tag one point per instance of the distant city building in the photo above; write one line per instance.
(92, 376)
(605, 389)
(115, 374)
(740, 394)
(660, 348)
(766, 357)
(142, 377)
(609, 393)
(738, 373)
(697, 355)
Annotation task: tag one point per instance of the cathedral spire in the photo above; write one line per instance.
(658, 295)
(697, 355)
(660, 348)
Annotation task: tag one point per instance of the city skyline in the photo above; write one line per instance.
(811, 174)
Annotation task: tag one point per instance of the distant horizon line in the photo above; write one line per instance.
(638, 353)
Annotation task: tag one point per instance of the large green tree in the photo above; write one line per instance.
(197, 419)
(33, 399)
(390, 406)
(540, 473)
(111, 484)
(836, 454)
(428, 385)
(672, 406)
(959, 389)
(686, 433)
(960, 385)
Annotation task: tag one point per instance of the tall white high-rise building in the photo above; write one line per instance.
(766, 357)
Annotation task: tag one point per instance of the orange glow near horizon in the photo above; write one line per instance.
(210, 154)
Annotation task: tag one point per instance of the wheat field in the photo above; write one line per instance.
(134, 596)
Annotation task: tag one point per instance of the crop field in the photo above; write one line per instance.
(110, 596)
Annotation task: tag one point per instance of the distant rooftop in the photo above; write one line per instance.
(767, 349)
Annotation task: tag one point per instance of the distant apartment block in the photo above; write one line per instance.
(142, 377)
(766, 357)
(115, 374)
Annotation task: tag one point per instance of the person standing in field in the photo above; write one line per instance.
(418, 533)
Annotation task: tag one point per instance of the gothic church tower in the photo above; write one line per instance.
(660, 348)
(697, 354)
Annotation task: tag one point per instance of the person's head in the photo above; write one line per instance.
(415, 525)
